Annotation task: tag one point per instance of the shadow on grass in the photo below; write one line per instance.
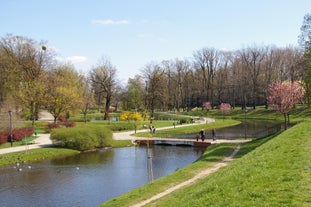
(250, 146)
(216, 153)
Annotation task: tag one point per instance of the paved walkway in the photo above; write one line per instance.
(43, 140)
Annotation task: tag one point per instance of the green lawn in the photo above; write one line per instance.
(34, 155)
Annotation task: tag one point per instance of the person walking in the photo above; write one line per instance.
(202, 134)
(213, 134)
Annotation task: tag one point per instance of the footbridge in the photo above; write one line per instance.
(171, 141)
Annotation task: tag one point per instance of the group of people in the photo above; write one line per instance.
(201, 135)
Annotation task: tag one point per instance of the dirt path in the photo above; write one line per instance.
(200, 175)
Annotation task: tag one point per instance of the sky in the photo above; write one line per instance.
(134, 33)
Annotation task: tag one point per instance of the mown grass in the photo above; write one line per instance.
(278, 173)
(34, 155)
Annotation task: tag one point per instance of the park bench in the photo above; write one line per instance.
(28, 140)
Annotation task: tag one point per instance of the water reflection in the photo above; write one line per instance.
(88, 179)
(246, 129)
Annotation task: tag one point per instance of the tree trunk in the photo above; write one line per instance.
(285, 121)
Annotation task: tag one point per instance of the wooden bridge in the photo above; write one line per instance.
(171, 141)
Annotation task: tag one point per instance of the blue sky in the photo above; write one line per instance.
(133, 33)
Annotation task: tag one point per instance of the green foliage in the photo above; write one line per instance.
(82, 138)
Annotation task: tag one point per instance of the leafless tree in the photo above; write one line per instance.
(103, 79)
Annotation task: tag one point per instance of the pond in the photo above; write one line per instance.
(89, 179)
(248, 128)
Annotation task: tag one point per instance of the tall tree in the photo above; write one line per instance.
(305, 43)
(252, 60)
(64, 94)
(87, 98)
(207, 60)
(103, 79)
(135, 94)
(156, 89)
(27, 61)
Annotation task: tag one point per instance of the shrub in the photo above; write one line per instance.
(54, 125)
(3, 137)
(82, 138)
(17, 134)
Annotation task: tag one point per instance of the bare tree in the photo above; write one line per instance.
(207, 60)
(252, 61)
(103, 78)
(156, 96)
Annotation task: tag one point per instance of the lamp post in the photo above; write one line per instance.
(11, 137)
(245, 127)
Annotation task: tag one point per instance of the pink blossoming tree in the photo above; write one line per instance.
(283, 97)
(225, 108)
(207, 105)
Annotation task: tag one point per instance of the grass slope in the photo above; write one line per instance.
(35, 155)
(278, 173)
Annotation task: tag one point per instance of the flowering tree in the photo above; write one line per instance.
(207, 105)
(283, 97)
(225, 108)
(127, 116)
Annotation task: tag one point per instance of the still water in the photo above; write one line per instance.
(88, 179)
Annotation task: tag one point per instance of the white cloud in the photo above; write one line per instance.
(109, 21)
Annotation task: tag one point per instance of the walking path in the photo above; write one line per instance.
(43, 140)
(200, 175)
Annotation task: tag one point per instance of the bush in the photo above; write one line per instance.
(4, 137)
(17, 134)
(54, 125)
(82, 138)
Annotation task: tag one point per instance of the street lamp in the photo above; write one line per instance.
(11, 137)
(245, 127)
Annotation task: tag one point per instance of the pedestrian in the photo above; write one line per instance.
(197, 137)
(202, 135)
(153, 129)
(213, 134)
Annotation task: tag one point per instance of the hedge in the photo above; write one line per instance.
(82, 138)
